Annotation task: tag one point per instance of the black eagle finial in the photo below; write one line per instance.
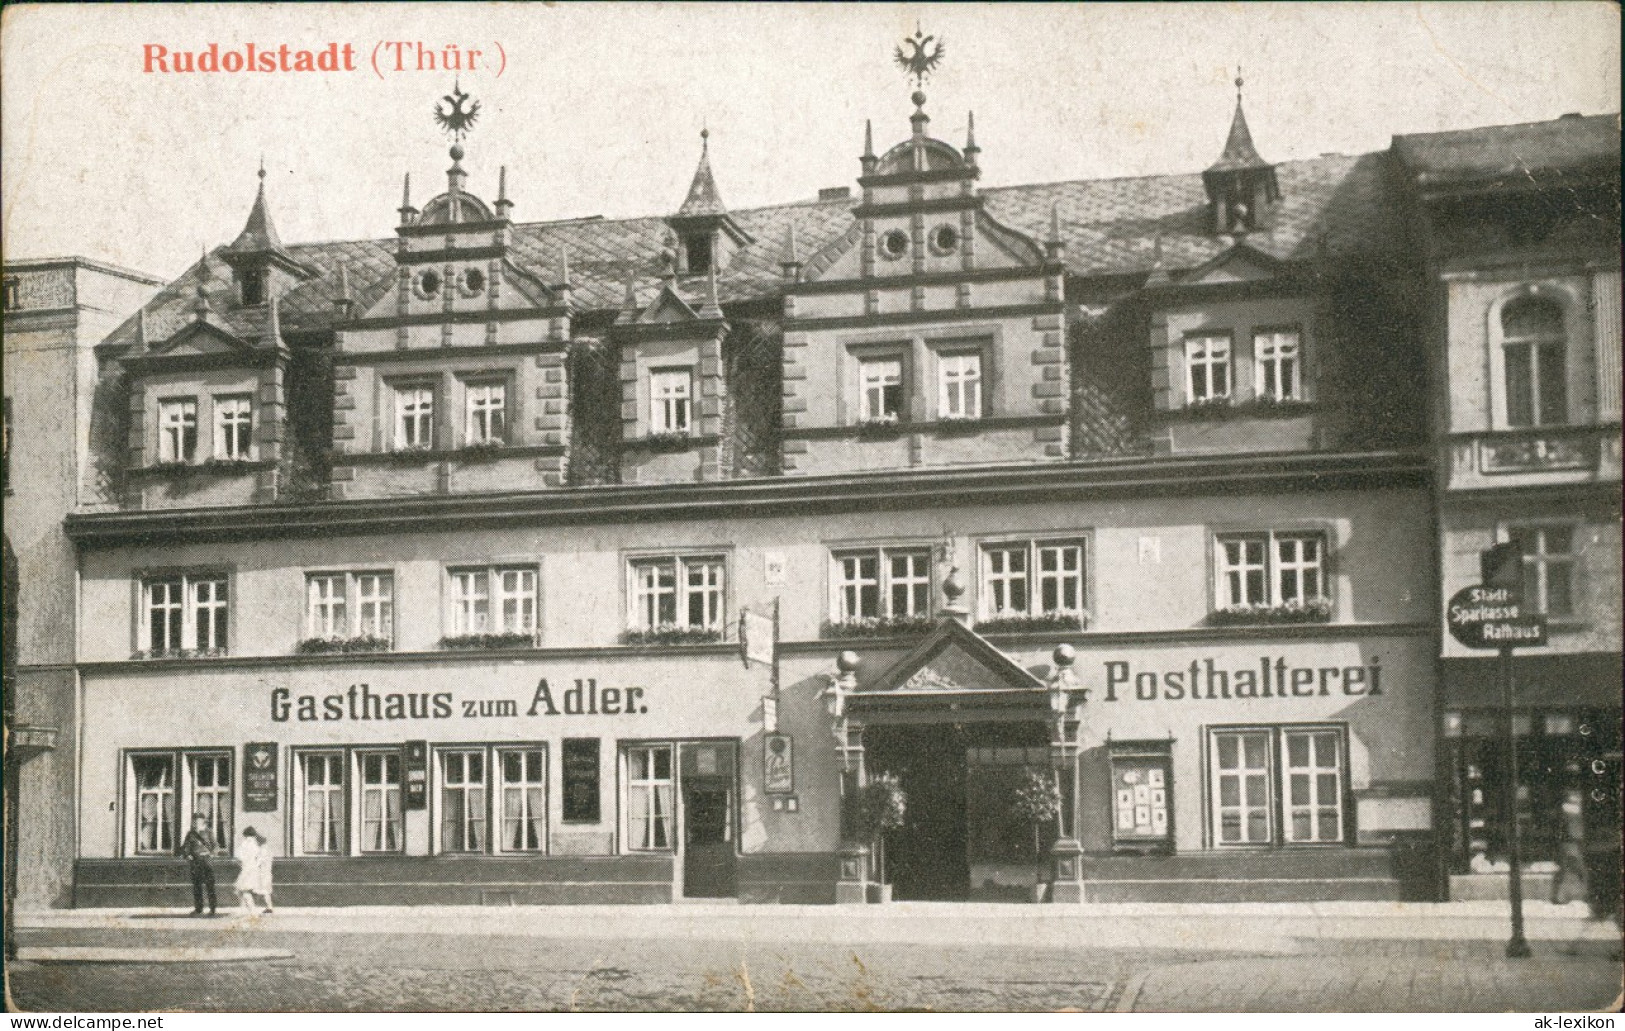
(451, 114)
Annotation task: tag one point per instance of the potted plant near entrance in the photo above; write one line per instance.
(881, 805)
(1037, 802)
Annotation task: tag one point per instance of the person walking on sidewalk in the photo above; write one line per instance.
(198, 848)
(255, 876)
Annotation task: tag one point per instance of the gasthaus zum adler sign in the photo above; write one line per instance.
(1493, 617)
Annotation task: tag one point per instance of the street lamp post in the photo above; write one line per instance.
(1517, 945)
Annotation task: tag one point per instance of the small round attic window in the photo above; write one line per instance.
(472, 282)
(428, 283)
(944, 239)
(893, 244)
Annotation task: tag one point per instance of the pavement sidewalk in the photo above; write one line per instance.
(1279, 928)
(1359, 984)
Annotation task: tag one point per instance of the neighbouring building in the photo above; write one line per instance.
(427, 556)
(1519, 228)
(55, 311)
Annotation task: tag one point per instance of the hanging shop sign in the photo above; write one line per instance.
(259, 777)
(778, 776)
(416, 764)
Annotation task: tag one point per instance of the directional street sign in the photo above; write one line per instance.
(1493, 617)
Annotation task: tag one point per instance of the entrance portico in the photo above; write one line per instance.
(961, 725)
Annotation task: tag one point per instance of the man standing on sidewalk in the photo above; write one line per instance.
(198, 848)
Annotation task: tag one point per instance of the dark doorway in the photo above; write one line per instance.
(709, 853)
(924, 858)
(929, 857)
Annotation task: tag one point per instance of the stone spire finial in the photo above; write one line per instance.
(868, 160)
(790, 258)
(200, 307)
(712, 309)
(141, 329)
(564, 266)
(273, 321)
(344, 302)
(1055, 245)
(456, 176)
(409, 214)
(504, 206)
(971, 149)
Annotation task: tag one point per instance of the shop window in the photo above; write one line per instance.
(469, 806)
(959, 385)
(1277, 366)
(348, 802)
(350, 606)
(493, 600)
(485, 419)
(1549, 560)
(184, 614)
(889, 583)
(683, 591)
(650, 798)
(1207, 368)
(670, 400)
(1534, 350)
(177, 430)
(381, 824)
(165, 790)
(581, 780)
(321, 814)
(414, 417)
(1268, 569)
(1278, 786)
(880, 382)
(462, 801)
(233, 427)
(1142, 795)
(1033, 578)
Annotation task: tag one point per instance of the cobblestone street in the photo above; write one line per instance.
(436, 972)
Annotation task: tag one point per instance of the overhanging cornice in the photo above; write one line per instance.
(768, 496)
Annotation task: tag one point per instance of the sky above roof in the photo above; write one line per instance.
(597, 109)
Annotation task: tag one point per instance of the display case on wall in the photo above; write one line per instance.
(1142, 795)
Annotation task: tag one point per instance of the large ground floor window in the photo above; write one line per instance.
(164, 790)
(1282, 785)
(1568, 785)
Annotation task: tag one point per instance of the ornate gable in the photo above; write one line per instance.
(953, 659)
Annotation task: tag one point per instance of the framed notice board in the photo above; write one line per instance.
(1142, 795)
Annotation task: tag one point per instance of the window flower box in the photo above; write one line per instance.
(671, 634)
(1258, 407)
(485, 452)
(478, 642)
(1317, 611)
(959, 423)
(344, 645)
(875, 626)
(673, 441)
(881, 428)
(1044, 622)
(180, 653)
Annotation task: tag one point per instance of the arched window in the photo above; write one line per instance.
(1535, 350)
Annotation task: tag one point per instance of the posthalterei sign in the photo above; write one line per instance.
(1493, 617)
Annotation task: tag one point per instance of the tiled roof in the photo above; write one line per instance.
(1570, 142)
(1332, 206)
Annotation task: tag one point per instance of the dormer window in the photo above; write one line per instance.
(697, 246)
(252, 284)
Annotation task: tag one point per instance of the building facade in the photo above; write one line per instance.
(1520, 228)
(446, 561)
(55, 312)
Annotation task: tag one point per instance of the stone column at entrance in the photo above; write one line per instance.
(1066, 855)
(852, 882)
